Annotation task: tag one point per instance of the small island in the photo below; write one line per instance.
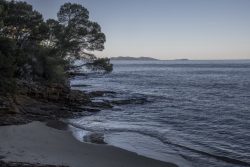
(182, 59)
(134, 58)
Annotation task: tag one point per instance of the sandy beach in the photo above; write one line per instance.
(38, 143)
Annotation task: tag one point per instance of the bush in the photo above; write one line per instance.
(7, 65)
(47, 66)
(54, 70)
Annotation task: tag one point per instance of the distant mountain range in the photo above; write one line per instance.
(133, 58)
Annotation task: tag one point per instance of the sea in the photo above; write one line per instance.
(191, 113)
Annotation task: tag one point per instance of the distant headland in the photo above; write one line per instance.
(182, 59)
(133, 58)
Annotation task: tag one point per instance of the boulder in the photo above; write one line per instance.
(96, 138)
(8, 107)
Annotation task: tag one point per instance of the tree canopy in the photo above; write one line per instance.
(81, 34)
(38, 50)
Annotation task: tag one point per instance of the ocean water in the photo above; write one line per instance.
(196, 113)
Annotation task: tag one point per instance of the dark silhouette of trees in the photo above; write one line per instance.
(80, 34)
(7, 65)
(23, 24)
(38, 50)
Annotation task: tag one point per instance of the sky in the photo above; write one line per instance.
(167, 29)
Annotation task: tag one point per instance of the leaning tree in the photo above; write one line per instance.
(76, 36)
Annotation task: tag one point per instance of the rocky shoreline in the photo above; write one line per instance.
(45, 103)
(19, 164)
(51, 103)
(35, 102)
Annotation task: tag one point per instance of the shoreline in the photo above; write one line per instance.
(37, 143)
(27, 142)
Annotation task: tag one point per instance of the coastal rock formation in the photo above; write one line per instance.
(7, 106)
(53, 93)
(36, 102)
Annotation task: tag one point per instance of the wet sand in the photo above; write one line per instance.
(38, 143)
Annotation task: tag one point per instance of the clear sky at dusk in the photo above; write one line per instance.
(168, 29)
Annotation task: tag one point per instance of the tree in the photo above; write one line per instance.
(22, 24)
(34, 50)
(54, 34)
(81, 34)
(2, 12)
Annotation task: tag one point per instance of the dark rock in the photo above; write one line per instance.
(129, 101)
(36, 102)
(4, 110)
(76, 96)
(101, 105)
(59, 125)
(8, 107)
(56, 93)
(89, 109)
(97, 138)
(73, 74)
(20, 164)
(100, 93)
(27, 109)
(80, 85)
(13, 120)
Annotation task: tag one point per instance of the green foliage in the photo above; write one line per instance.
(55, 34)
(7, 65)
(35, 50)
(70, 13)
(48, 67)
(22, 23)
(80, 34)
(54, 71)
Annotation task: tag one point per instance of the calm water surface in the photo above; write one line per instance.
(197, 112)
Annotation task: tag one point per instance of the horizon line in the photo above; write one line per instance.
(184, 59)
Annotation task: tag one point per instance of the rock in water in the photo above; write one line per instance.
(97, 138)
(100, 93)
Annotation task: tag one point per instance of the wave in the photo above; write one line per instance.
(160, 135)
(203, 104)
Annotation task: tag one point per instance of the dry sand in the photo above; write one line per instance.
(38, 143)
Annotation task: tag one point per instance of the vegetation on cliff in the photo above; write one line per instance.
(41, 51)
